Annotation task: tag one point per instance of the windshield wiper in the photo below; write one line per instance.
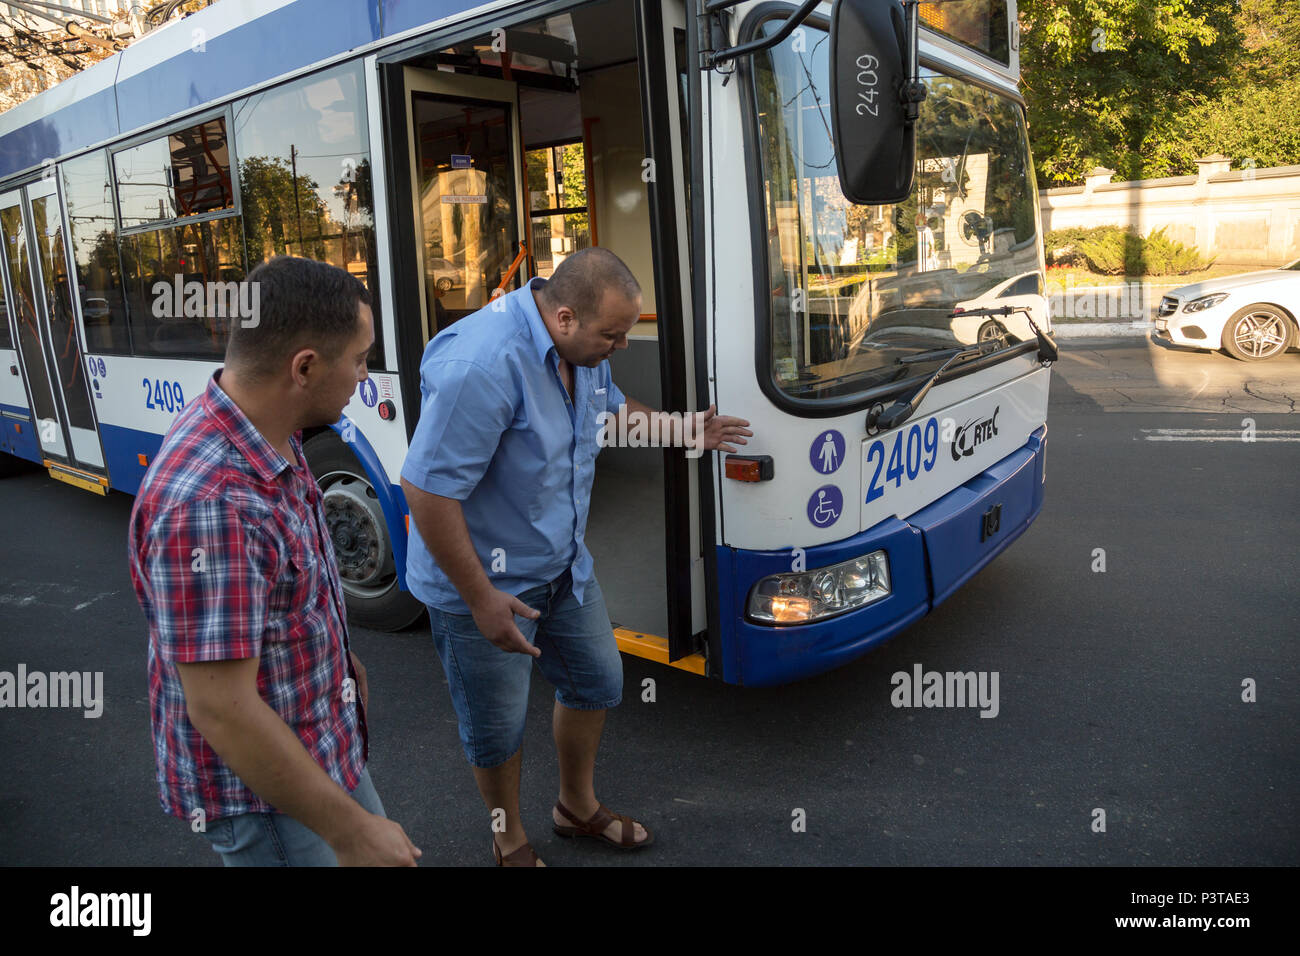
(1047, 350)
(904, 408)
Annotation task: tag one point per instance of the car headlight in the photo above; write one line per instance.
(807, 596)
(1205, 302)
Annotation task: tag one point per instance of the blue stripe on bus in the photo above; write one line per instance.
(90, 119)
(930, 555)
(279, 42)
(18, 438)
(255, 52)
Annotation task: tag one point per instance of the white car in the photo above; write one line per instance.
(1251, 316)
(1022, 291)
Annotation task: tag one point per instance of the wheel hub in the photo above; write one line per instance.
(357, 530)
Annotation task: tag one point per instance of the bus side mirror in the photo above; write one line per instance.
(874, 99)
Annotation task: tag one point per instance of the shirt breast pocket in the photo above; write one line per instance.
(301, 587)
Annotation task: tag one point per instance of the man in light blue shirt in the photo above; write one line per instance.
(498, 480)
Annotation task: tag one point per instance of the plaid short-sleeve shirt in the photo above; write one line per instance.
(230, 559)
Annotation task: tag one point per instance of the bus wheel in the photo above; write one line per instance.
(362, 542)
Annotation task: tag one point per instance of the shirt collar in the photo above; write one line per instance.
(542, 340)
(243, 434)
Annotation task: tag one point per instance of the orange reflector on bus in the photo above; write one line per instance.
(749, 467)
(144, 460)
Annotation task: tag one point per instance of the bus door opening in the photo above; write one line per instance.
(569, 89)
(465, 176)
(36, 273)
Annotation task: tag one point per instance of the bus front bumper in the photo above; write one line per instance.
(931, 554)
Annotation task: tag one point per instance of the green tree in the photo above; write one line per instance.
(1101, 75)
(1147, 88)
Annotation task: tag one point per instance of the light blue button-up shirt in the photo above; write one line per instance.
(498, 433)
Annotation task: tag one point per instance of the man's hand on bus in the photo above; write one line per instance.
(494, 612)
(719, 430)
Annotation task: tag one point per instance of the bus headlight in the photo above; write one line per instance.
(807, 596)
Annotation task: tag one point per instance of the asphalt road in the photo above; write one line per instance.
(1119, 690)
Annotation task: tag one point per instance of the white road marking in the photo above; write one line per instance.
(97, 597)
(1219, 434)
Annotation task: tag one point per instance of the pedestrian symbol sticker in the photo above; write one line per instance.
(827, 453)
(825, 506)
(369, 393)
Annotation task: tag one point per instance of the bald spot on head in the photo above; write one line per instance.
(583, 279)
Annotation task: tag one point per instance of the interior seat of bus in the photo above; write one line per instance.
(575, 76)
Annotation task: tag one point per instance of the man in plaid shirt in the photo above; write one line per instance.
(257, 705)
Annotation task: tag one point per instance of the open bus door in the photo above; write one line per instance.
(466, 173)
(574, 121)
(41, 298)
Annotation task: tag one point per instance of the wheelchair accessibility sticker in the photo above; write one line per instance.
(825, 506)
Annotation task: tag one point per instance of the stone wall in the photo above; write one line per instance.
(1248, 217)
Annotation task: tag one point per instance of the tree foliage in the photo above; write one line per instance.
(1146, 86)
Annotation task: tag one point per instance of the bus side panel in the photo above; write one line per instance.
(123, 448)
(17, 430)
(18, 438)
(759, 655)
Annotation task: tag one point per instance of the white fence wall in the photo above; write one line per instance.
(1247, 217)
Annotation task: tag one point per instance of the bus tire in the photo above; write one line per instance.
(361, 538)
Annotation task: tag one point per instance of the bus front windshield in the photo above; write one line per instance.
(852, 289)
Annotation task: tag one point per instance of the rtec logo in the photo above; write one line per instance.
(967, 438)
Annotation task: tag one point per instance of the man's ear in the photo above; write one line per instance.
(566, 319)
(303, 365)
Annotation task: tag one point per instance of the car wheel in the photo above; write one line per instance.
(362, 540)
(991, 330)
(1256, 333)
(444, 285)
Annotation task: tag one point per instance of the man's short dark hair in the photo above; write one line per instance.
(301, 303)
(581, 280)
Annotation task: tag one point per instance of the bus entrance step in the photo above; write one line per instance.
(85, 480)
(654, 648)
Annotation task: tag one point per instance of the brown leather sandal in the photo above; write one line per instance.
(595, 827)
(524, 856)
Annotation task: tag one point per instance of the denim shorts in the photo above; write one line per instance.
(489, 686)
(275, 839)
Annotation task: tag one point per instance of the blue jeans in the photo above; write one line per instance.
(489, 686)
(274, 839)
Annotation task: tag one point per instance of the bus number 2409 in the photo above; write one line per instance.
(164, 396)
